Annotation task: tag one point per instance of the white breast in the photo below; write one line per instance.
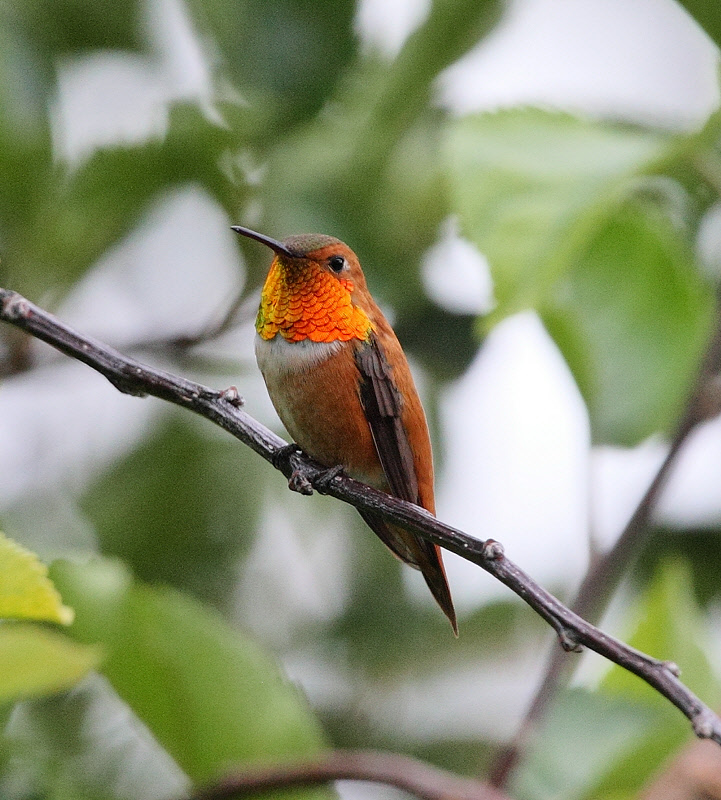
(278, 356)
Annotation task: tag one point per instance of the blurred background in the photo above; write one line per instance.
(532, 188)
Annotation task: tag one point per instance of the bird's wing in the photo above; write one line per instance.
(383, 408)
(382, 405)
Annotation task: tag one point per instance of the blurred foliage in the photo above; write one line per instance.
(592, 224)
(212, 697)
(606, 745)
(183, 533)
(669, 625)
(698, 548)
(37, 661)
(286, 55)
(573, 227)
(584, 734)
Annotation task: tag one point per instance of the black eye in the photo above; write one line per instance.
(336, 263)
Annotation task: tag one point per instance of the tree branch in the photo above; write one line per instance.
(222, 408)
(409, 774)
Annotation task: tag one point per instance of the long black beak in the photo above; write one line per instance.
(274, 244)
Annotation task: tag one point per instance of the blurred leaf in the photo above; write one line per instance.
(286, 54)
(450, 30)
(699, 548)
(85, 744)
(210, 695)
(583, 735)
(670, 626)
(25, 165)
(443, 342)
(708, 15)
(181, 509)
(37, 661)
(25, 86)
(59, 27)
(531, 187)
(60, 232)
(26, 592)
(556, 205)
(632, 319)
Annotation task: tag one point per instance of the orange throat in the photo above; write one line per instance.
(304, 302)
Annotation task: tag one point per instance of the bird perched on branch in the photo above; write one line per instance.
(341, 384)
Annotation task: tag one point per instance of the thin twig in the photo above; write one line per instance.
(244, 307)
(606, 571)
(416, 777)
(304, 475)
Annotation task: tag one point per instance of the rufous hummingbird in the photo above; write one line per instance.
(341, 384)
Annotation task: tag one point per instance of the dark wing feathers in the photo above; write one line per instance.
(382, 405)
(383, 409)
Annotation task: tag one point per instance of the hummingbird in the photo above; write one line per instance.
(340, 383)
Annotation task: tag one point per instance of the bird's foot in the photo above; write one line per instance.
(297, 474)
(323, 481)
(281, 458)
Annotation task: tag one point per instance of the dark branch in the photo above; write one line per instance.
(222, 408)
(413, 776)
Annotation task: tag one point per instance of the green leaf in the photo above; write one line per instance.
(286, 54)
(211, 696)
(530, 188)
(669, 626)
(700, 548)
(26, 592)
(557, 204)
(78, 215)
(632, 319)
(582, 737)
(181, 509)
(85, 744)
(37, 661)
(58, 27)
(451, 28)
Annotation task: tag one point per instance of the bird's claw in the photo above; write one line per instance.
(324, 480)
(281, 458)
(298, 480)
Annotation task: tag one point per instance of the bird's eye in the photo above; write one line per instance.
(336, 263)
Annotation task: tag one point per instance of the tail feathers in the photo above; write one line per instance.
(421, 555)
(435, 576)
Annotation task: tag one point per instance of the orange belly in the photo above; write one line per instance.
(320, 406)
